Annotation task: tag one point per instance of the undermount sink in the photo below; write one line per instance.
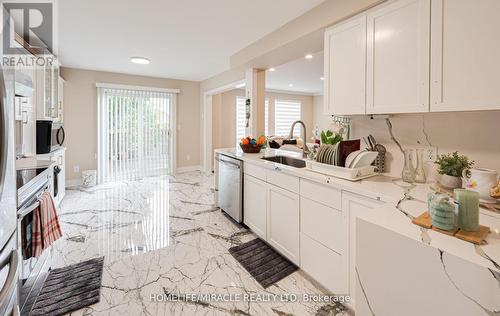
(289, 161)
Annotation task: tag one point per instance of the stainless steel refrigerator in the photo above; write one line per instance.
(9, 258)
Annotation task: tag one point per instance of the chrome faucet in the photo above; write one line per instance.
(305, 150)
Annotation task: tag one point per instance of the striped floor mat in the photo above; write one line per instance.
(70, 288)
(265, 264)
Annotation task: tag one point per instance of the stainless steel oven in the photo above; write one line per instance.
(32, 183)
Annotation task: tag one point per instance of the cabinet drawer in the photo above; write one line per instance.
(323, 224)
(321, 193)
(254, 171)
(325, 266)
(283, 180)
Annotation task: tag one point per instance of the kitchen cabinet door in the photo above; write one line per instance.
(398, 57)
(60, 100)
(345, 68)
(465, 50)
(255, 205)
(28, 132)
(354, 205)
(283, 222)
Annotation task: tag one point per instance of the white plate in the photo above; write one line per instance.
(364, 159)
(350, 158)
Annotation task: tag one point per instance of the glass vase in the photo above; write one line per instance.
(408, 173)
(419, 171)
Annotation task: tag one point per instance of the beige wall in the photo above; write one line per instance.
(224, 114)
(80, 116)
(320, 120)
(474, 134)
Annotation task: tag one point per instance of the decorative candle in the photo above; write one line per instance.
(442, 212)
(468, 209)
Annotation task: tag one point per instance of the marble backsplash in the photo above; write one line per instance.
(475, 134)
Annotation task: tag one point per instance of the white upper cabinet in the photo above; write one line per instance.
(398, 57)
(465, 55)
(345, 68)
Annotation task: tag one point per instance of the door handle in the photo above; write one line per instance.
(11, 280)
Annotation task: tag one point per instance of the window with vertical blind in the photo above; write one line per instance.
(135, 128)
(285, 113)
(240, 118)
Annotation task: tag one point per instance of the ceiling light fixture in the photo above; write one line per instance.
(240, 85)
(140, 60)
(322, 78)
(308, 56)
(272, 69)
(290, 85)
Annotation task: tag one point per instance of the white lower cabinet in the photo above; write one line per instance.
(323, 264)
(283, 222)
(355, 205)
(255, 205)
(323, 240)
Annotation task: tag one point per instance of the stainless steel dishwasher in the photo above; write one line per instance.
(229, 186)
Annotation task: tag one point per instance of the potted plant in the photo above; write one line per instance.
(451, 167)
(330, 138)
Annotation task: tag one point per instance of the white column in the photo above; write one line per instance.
(256, 92)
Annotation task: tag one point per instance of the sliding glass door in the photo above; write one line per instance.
(135, 138)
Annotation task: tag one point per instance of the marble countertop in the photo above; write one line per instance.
(403, 202)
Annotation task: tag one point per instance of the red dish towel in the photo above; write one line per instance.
(46, 229)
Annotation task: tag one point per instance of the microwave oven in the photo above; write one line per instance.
(47, 138)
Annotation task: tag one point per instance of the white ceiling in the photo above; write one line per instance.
(185, 39)
(303, 74)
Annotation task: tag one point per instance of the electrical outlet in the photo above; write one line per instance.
(76, 169)
(430, 153)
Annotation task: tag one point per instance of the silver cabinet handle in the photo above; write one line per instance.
(24, 115)
(11, 280)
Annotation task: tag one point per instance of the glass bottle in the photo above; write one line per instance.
(408, 173)
(419, 171)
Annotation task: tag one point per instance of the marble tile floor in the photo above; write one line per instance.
(164, 243)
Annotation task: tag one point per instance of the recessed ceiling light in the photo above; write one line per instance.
(272, 69)
(140, 60)
(322, 78)
(290, 85)
(308, 56)
(241, 85)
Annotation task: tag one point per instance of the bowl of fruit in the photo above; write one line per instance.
(251, 145)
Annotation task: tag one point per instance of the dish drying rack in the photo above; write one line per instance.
(351, 174)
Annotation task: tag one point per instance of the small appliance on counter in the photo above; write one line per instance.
(50, 136)
(43, 136)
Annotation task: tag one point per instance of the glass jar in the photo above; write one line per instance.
(408, 173)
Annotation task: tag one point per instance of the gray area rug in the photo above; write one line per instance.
(264, 264)
(70, 288)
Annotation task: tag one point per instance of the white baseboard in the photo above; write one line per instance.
(73, 183)
(188, 169)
